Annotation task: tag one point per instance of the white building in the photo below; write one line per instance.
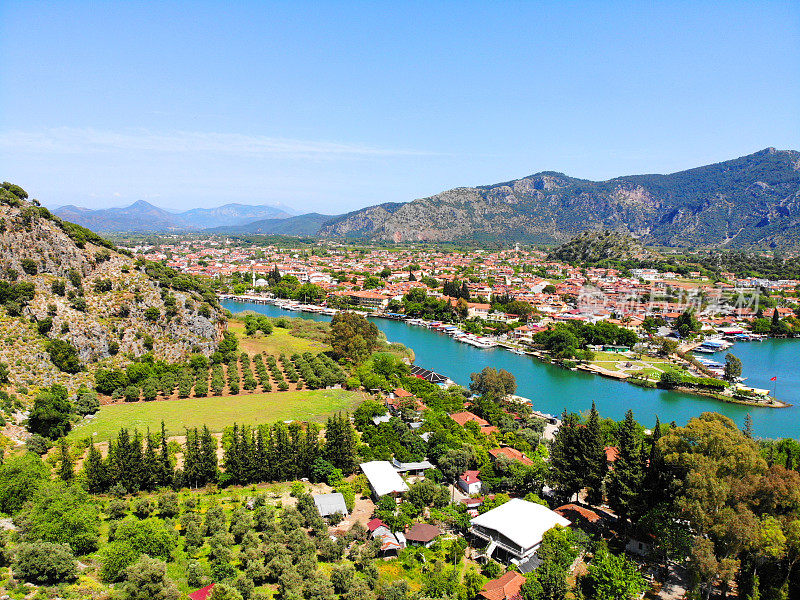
(328, 504)
(514, 530)
(470, 483)
(383, 478)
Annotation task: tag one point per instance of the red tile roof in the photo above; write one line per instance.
(375, 523)
(470, 477)
(612, 453)
(569, 510)
(462, 418)
(423, 533)
(401, 393)
(506, 587)
(511, 453)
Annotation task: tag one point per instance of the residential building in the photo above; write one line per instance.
(513, 531)
(422, 534)
(506, 587)
(383, 478)
(469, 482)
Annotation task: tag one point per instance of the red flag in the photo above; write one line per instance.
(774, 379)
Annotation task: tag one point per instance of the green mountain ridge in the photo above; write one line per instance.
(745, 203)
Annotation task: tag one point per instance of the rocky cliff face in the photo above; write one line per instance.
(87, 293)
(753, 201)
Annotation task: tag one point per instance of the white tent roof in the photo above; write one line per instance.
(383, 478)
(522, 522)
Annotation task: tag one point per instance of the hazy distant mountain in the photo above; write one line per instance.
(142, 217)
(748, 202)
(232, 214)
(308, 224)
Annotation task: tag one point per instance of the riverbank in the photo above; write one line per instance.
(554, 389)
(634, 376)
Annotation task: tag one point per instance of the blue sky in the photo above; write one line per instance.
(330, 106)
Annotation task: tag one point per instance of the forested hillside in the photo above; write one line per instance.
(748, 202)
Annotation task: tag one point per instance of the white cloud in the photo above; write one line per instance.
(72, 140)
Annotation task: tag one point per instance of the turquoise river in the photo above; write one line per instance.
(553, 389)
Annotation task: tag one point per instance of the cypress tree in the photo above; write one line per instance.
(282, 452)
(165, 471)
(191, 458)
(67, 469)
(296, 441)
(136, 457)
(348, 436)
(209, 469)
(125, 458)
(310, 448)
(262, 452)
(149, 466)
(94, 470)
(594, 456)
(567, 472)
(232, 458)
(247, 447)
(626, 479)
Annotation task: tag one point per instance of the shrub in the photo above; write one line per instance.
(132, 393)
(152, 314)
(108, 380)
(44, 325)
(61, 514)
(38, 444)
(64, 356)
(103, 285)
(75, 278)
(146, 579)
(117, 556)
(150, 389)
(149, 536)
(86, 402)
(168, 504)
(30, 266)
(143, 508)
(45, 563)
(670, 379)
(50, 416)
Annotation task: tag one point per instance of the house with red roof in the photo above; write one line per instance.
(469, 482)
(584, 517)
(612, 454)
(464, 417)
(506, 587)
(511, 454)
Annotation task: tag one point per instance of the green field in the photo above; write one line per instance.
(217, 412)
(280, 341)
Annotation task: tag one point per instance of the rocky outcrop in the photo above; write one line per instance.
(103, 302)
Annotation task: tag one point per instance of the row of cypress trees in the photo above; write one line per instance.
(277, 452)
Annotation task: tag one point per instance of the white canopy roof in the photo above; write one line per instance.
(383, 478)
(522, 522)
